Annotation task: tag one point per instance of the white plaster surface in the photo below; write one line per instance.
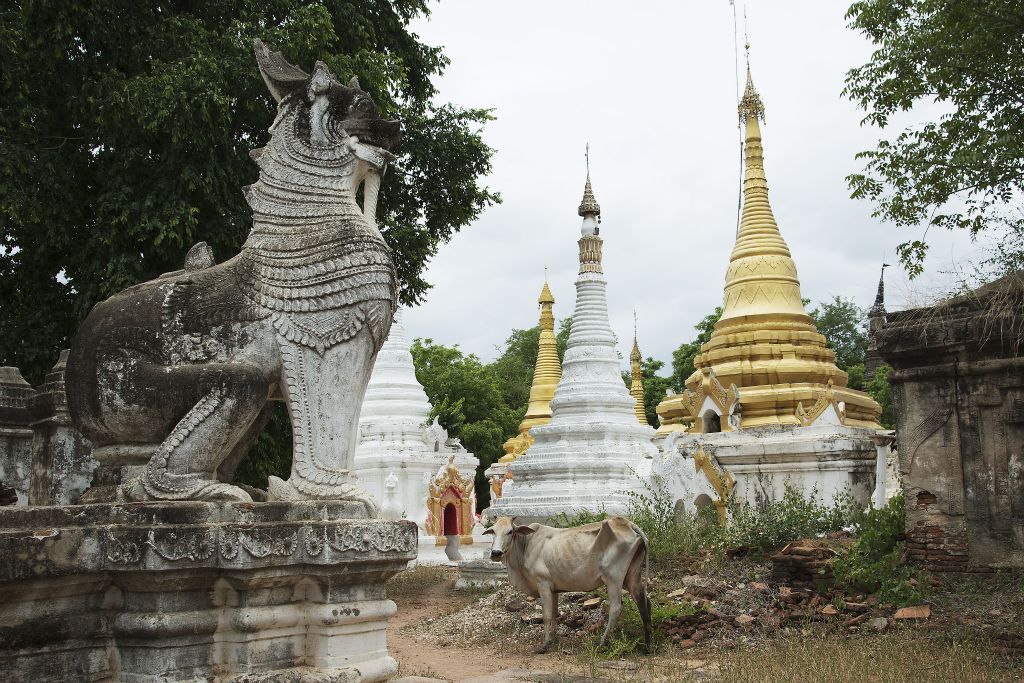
(399, 450)
(826, 459)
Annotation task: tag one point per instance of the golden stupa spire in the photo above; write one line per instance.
(546, 373)
(761, 279)
(765, 343)
(636, 384)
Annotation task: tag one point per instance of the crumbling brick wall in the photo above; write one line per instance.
(958, 394)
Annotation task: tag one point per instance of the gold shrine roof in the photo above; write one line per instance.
(765, 343)
(546, 373)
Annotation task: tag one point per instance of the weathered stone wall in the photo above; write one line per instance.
(62, 462)
(188, 591)
(958, 393)
(15, 433)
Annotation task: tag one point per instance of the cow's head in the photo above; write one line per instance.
(505, 532)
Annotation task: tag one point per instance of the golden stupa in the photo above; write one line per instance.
(546, 373)
(766, 363)
(636, 384)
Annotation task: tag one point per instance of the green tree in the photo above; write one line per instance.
(841, 321)
(880, 390)
(683, 357)
(468, 401)
(125, 132)
(964, 168)
(518, 358)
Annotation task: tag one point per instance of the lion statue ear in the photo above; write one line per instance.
(282, 78)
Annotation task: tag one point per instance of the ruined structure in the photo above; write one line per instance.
(170, 572)
(958, 394)
(547, 371)
(15, 436)
(593, 452)
(766, 401)
(400, 450)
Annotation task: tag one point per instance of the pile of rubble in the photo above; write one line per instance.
(743, 603)
(805, 563)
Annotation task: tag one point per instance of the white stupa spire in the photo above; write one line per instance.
(593, 452)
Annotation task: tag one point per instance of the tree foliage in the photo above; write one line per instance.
(683, 357)
(964, 168)
(480, 403)
(841, 321)
(125, 132)
(881, 390)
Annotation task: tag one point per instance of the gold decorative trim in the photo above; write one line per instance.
(721, 481)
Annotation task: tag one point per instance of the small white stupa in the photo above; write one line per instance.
(407, 462)
(594, 451)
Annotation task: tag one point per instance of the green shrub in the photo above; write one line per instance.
(874, 563)
(628, 637)
(794, 516)
(577, 518)
(672, 534)
(655, 514)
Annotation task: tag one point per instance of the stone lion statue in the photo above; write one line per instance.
(180, 369)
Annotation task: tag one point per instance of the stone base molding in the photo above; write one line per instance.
(186, 591)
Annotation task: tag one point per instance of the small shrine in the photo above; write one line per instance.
(766, 401)
(451, 505)
(400, 450)
(546, 373)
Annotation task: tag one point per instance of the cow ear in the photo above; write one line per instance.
(523, 530)
(489, 531)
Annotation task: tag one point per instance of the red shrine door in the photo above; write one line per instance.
(451, 520)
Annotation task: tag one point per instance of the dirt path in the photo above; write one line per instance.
(422, 659)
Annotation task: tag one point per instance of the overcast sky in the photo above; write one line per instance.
(652, 87)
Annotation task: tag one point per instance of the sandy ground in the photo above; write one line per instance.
(420, 659)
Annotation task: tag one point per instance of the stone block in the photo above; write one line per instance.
(62, 458)
(147, 592)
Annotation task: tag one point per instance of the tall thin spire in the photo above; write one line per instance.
(590, 241)
(636, 384)
(761, 279)
(879, 307)
(546, 373)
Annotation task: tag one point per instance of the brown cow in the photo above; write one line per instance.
(544, 561)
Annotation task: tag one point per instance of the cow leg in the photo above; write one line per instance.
(549, 601)
(635, 585)
(639, 594)
(614, 609)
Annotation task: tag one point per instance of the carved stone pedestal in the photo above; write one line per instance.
(188, 591)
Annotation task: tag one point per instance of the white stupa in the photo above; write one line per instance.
(594, 451)
(400, 452)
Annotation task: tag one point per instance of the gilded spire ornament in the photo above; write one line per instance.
(546, 373)
(636, 384)
(765, 344)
